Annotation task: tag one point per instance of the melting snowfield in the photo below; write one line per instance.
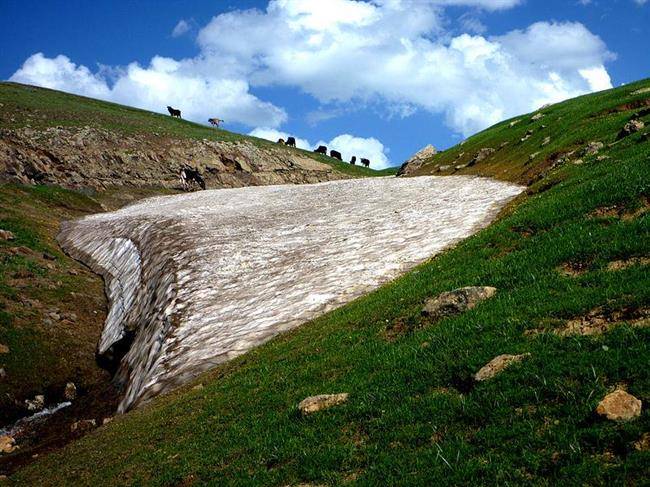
(197, 279)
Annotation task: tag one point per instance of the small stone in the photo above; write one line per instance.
(4, 348)
(54, 316)
(7, 444)
(643, 444)
(537, 117)
(47, 256)
(107, 420)
(546, 141)
(83, 425)
(35, 404)
(444, 168)
(70, 391)
(619, 406)
(3, 373)
(454, 302)
(6, 235)
(592, 148)
(314, 404)
(514, 122)
(533, 156)
(197, 387)
(498, 364)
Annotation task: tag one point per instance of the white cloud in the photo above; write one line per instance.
(348, 145)
(392, 54)
(181, 28)
(185, 84)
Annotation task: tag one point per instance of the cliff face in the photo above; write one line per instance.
(98, 158)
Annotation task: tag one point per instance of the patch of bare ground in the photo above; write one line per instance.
(600, 320)
(622, 212)
(619, 265)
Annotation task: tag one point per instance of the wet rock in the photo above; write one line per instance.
(7, 444)
(497, 365)
(457, 301)
(83, 425)
(619, 406)
(631, 127)
(70, 391)
(4, 348)
(35, 404)
(6, 235)
(592, 148)
(314, 404)
(417, 160)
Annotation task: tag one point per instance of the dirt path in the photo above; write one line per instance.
(198, 279)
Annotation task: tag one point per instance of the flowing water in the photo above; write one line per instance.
(194, 280)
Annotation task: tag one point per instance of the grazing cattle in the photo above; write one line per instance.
(281, 141)
(353, 161)
(173, 112)
(321, 150)
(291, 142)
(189, 175)
(365, 162)
(215, 121)
(336, 155)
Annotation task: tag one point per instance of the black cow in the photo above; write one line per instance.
(353, 161)
(336, 155)
(321, 150)
(280, 141)
(365, 162)
(188, 175)
(291, 142)
(173, 112)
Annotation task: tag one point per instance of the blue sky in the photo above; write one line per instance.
(378, 79)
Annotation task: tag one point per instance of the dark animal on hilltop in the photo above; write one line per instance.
(281, 141)
(189, 175)
(336, 155)
(321, 150)
(215, 121)
(173, 112)
(291, 142)
(365, 162)
(353, 161)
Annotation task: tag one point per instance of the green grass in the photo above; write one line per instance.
(41, 108)
(414, 416)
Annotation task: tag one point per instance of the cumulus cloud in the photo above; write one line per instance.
(348, 145)
(181, 28)
(395, 55)
(185, 84)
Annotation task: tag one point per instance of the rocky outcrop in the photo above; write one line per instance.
(97, 158)
(313, 404)
(416, 161)
(455, 302)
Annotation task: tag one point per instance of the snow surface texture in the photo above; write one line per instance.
(197, 279)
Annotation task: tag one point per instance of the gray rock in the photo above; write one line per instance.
(497, 365)
(481, 155)
(314, 404)
(457, 301)
(592, 148)
(631, 127)
(417, 160)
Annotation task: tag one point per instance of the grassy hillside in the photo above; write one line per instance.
(40, 108)
(574, 247)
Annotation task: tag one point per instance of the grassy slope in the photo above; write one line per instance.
(414, 415)
(41, 108)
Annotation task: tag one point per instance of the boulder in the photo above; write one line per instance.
(83, 425)
(457, 301)
(592, 148)
(314, 404)
(6, 235)
(498, 364)
(619, 406)
(631, 127)
(70, 391)
(417, 160)
(7, 444)
(481, 155)
(35, 404)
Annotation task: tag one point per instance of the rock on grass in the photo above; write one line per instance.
(455, 302)
(619, 406)
(313, 404)
(497, 365)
